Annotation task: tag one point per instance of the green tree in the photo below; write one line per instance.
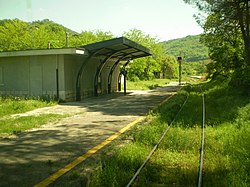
(14, 35)
(226, 27)
(169, 67)
(146, 68)
(226, 49)
(49, 32)
(19, 35)
(87, 37)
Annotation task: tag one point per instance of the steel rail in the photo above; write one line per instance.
(202, 143)
(155, 147)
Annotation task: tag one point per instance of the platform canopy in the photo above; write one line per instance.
(118, 48)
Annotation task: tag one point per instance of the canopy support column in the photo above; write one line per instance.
(124, 73)
(110, 75)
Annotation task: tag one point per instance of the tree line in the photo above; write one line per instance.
(226, 33)
(16, 34)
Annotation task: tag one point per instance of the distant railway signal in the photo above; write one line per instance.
(179, 59)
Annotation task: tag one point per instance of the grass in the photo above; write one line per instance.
(13, 105)
(152, 84)
(146, 85)
(16, 125)
(176, 161)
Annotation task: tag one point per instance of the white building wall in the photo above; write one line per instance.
(35, 76)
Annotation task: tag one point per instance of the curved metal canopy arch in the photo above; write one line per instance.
(99, 70)
(117, 49)
(79, 75)
(111, 73)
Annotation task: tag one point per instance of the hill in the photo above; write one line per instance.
(189, 47)
(52, 26)
(16, 34)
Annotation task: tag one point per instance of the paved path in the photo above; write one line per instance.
(32, 156)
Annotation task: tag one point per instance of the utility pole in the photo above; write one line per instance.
(179, 59)
(67, 39)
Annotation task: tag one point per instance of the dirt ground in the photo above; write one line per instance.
(30, 157)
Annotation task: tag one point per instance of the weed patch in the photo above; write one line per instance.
(14, 105)
(117, 170)
(146, 85)
(17, 125)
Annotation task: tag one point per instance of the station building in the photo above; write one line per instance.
(69, 74)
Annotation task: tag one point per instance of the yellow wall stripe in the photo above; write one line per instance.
(80, 159)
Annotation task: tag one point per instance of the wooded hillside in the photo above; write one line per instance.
(190, 48)
(19, 35)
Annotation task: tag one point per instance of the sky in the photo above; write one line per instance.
(163, 19)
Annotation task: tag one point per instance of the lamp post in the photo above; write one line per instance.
(179, 59)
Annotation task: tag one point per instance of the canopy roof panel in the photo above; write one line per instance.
(40, 52)
(118, 48)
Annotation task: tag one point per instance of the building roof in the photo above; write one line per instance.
(35, 52)
(118, 48)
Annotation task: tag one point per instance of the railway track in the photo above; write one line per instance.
(199, 184)
(201, 161)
